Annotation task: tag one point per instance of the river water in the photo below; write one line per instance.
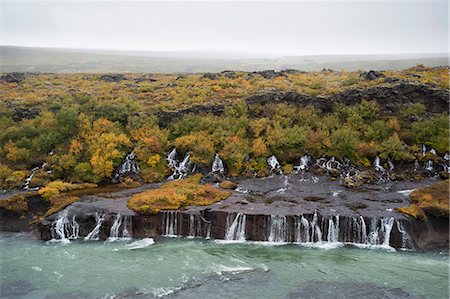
(191, 268)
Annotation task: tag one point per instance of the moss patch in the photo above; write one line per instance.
(432, 200)
(176, 194)
(17, 203)
(228, 185)
(55, 188)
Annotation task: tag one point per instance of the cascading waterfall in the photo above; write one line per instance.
(235, 230)
(416, 165)
(333, 229)
(274, 164)
(377, 165)
(304, 162)
(65, 229)
(123, 222)
(386, 228)
(195, 226)
(406, 238)
(333, 164)
(94, 234)
(424, 150)
(429, 166)
(217, 165)
(432, 151)
(128, 165)
(171, 228)
(277, 229)
(180, 169)
(26, 185)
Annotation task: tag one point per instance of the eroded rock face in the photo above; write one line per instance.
(270, 209)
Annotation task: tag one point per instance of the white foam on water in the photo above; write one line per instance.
(140, 244)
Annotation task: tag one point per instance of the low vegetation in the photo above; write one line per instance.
(176, 194)
(432, 200)
(83, 125)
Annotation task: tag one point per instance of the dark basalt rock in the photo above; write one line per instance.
(390, 98)
(21, 113)
(13, 77)
(211, 76)
(371, 75)
(112, 78)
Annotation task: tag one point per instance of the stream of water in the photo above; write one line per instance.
(194, 268)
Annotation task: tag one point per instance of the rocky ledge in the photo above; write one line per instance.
(301, 208)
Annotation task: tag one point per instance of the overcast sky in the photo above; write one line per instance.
(282, 28)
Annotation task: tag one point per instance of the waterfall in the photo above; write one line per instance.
(128, 165)
(363, 239)
(64, 229)
(171, 228)
(302, 232)
(195, 226)
(217, 165)
(114, 232)
(285, 184)
(277, 229)
(26, 185)
(429, 166)
(333, 229)
(446, 159)
(406, 238)
(433, 151)
(386, 228)
(180, 169)
(274, 164)
(235, 229)
(391, 165)
(424, 150)
(416, 165)
(126, 225)
(333, 164)
(94, 234)
(315, 229)
(377, 165)
(304, 161)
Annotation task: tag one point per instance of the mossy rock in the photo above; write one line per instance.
(431, 200)
(228, 185)
(176, 194)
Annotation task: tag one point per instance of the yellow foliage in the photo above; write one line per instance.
(259, 147)
(433, 200)
(176, 194)
(153, 160)
(55, 188)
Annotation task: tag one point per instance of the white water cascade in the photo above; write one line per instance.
(377, 165)
(416, 165)
(429, 166)
(120, 221)
(94, 234)
(180, 169)
(406, 238)
(304, 162)
(277, 229)
(129, 165)
(195, 226)
(217, 165)
(65, 229)
(171, 221)
(274, 164)
(333, 229)
(26, 185)
(235, 230)
(333, 164)
(424, 150)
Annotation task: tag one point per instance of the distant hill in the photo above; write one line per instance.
(25, 59)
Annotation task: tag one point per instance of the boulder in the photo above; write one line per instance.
(112, 77)
(371, 75)
(13, 77)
